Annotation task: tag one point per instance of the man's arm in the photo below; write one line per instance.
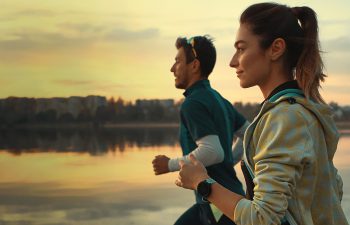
(208, 152)
(198, 121)
(237, 147)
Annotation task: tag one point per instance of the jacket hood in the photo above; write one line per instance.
(324, 115)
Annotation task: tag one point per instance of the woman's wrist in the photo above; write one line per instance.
(200, 179)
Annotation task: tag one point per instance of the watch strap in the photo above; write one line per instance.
(209, 181)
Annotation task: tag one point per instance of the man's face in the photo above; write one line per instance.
(181, 70)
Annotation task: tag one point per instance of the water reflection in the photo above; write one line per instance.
(95, 142)
(51, 177)
(71, 188)
(28, 205)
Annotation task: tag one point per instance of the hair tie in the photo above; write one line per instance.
(294, 11)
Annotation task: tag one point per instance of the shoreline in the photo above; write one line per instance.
(140, 125)
(90, 125)
(343, 127)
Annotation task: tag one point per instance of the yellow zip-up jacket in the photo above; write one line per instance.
(289, 148)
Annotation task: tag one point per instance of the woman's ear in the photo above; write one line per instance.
(277, 49)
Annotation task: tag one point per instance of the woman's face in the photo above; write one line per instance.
(251, 62)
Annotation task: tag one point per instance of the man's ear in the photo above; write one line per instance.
(277, 49)
(196, 65)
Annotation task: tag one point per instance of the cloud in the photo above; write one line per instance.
(38, 40)
(335, 22)
(24, 14)
(337, 63)
(338, 89)
(121, 34)
(82, 27)
(84, 34)
(97, 86)
(73, 82)
(104, 87)
(336, 45)
(36, 13)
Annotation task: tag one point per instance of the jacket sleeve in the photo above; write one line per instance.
(282, 148)
(237, 147)
(339, 184)
(208, 152)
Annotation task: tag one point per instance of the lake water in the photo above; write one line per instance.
(106, 177)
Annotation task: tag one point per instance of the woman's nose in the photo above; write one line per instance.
(234, 61)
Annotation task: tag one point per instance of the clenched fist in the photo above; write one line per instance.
(160, 164)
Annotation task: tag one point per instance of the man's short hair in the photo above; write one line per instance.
(201, 48)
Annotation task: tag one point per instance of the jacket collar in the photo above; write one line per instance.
(289, 86)
(197, 85)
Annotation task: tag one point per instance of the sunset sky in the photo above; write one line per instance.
(125, 48)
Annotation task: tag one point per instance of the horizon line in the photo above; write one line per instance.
(135, 99)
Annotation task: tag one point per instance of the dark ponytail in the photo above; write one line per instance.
(302, 57)
(309, 68)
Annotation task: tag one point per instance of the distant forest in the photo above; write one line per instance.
(120, 111)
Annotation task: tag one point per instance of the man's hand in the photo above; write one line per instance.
(160, 164)
(191, 174)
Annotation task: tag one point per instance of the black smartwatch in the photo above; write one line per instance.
(204, 188)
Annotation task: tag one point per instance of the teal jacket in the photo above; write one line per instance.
(289, 149)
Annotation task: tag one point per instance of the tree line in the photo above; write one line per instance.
(121, 111)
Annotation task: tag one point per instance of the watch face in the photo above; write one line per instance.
(204, 188)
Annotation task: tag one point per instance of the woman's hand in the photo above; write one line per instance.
(191, 174)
